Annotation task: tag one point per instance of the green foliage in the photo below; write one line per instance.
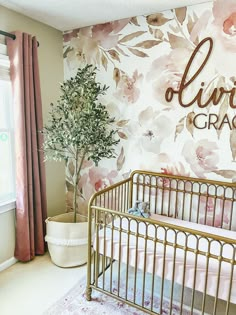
(79, 126)
(79, 123)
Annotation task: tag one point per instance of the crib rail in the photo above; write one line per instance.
(103, 271)
(115, 197)
(196, 200)
(124, 255)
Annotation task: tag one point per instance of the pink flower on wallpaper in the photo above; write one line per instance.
(223, 32)
(211, 211)
(150, 130)
(101, 178)
(202, 156)
(90, 182)
(87, 44)
(107, 34)
(67, 36)
(167, 71)
(128, 88)
(224, 13)
(175, 169)
(229, 26)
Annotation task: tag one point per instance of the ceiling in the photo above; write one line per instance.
(69, 14)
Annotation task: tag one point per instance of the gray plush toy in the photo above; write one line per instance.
(141, 209)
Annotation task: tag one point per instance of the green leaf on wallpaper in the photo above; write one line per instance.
(179, 127)
(122, 123)
(147, 44)
(131, 36)
(65, 53)
(189, 122)
(138, 53)
(120, 160)
(177, 41)
(226, 173)
(116, 75)
(134, 20)
(157, 19)
(122, 135)
(104, 62)
(114, 54)
(181, 14)
(232, 141)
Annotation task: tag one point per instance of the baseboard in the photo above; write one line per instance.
(8, 263)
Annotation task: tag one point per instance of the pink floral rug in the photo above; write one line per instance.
(75, 303)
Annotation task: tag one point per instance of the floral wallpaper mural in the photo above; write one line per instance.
(172, 82)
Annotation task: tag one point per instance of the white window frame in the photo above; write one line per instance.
(9, 204)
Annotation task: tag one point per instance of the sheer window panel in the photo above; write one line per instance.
(7, 169)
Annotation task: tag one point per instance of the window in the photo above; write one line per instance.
(7, 172)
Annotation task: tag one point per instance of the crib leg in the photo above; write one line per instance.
(88, 293)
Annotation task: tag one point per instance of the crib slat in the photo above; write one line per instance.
(104, 249)
(195, 275)
(127, 265)
(231, 277)
(173, 273)
(163, 272)
(218, 280)
(154, 268)
(97, 248)
(112, 239)
(144, 264)
(183, 279)
(206, 278)
(119, 255)
(136, 260)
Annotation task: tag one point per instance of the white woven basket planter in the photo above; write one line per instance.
(67, 241)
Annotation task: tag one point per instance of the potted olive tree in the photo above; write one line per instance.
(79, 128)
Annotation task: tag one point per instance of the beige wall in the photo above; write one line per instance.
(51, 73)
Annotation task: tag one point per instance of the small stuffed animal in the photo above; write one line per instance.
(141, 209)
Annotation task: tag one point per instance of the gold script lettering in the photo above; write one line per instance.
(217, 93)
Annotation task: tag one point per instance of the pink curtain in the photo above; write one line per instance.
(31, 209)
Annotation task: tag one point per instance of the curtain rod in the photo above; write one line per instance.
(10, 35)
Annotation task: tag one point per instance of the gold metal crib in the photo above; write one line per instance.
(182, 258)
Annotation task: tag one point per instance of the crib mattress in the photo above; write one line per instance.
(178, 265)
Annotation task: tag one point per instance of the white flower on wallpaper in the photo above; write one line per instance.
(202, 156)
(139, 58)
(151, 129)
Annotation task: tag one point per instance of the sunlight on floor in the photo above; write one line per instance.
(30, 288)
